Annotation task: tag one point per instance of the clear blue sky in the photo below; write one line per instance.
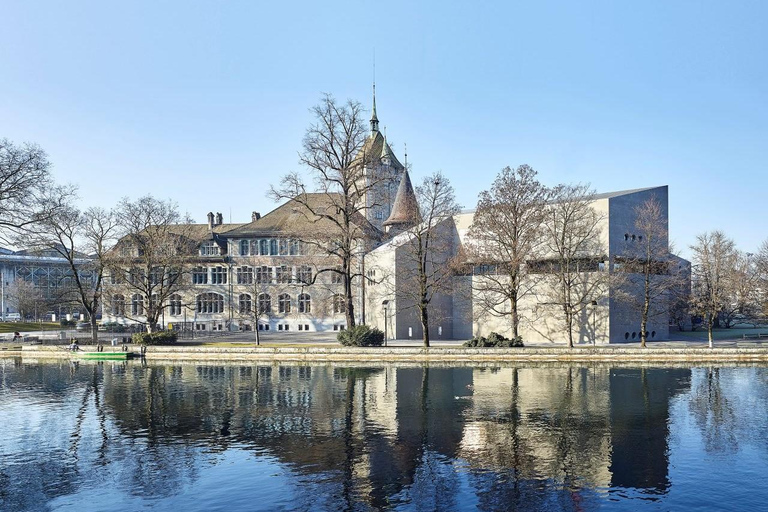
(206, 103)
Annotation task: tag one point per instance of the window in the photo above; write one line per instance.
(156, 276)
(283, 245)
(245, 275)
(263, 274)
(379, 214)
(305, 305)
(219, 275)
(174, 305)
(136, 276)
(137, 305)
(264, 247)
(210, 303)
(199, 275)
(244, 248)
(336, 277)
(273, 247)
(245, 304)
(209, 249)
(284, 303)
(304, 274)
(254, 247)
(283, 274)
(118, 305)
(339, 304)
(295, 250)
(265, 303)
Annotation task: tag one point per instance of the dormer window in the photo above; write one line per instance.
(209, 249)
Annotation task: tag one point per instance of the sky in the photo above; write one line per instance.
(206, 103)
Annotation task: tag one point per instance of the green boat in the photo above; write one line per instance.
(111, 356)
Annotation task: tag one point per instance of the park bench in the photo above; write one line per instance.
(756, 336)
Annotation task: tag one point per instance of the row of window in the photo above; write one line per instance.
(272, 247)
(263, 274)
(214, 303)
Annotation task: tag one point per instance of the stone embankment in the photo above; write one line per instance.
(414, 355)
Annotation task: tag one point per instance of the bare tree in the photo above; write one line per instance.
(27, 298)
(649, 268)
(148, 262)
(762, 270)
(333, 151)
(743, 303)
(572, 253)
(28, 194)
(505, 233)
(714, 258)
(427, 269)
(83, 240)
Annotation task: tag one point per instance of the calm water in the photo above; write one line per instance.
(123, 436)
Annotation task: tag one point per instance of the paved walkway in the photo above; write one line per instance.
(329, 338)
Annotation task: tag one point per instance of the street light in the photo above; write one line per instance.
(384, 304)
(594, 323)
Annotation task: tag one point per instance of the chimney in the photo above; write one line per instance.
(255, 216)
(219, 219)
(210, 220)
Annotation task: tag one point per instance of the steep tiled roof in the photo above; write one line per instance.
(375, 147)
(405, 210)
(294, 217)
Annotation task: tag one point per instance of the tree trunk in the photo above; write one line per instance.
(425, 324)
(94, 330)
(710, 325)
(515, 316)
(350, 308)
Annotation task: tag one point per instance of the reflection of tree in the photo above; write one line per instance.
(713, 413)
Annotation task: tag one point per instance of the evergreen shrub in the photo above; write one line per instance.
(361, 336)
(494, 340)
(154, 338)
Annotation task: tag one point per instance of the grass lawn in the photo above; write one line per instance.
(28, 326)
(734, 333)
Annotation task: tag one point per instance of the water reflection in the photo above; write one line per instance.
(124, 435)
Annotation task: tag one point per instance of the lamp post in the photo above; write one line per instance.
(384, 304)
(594, 323)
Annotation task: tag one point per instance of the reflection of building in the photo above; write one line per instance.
(48, 273)
(460, 314)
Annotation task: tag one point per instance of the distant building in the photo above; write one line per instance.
(51, 279)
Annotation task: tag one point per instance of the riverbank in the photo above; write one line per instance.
(405, 354)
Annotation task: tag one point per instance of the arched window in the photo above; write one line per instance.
(264, 247)
(284, 303)
(210, 303)
(265, 303)
(244, 247)
(245, 304)
(305, 305)
(174, 305)
(137, 305)
(118, 305)
(339, 304)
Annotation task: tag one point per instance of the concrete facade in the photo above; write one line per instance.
(459, 314)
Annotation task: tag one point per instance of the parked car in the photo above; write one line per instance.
(83, 326)
(11, 317)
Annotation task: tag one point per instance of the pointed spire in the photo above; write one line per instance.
(374, 119)
(386, 157)
(405, 210)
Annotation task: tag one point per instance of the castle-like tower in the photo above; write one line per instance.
(383, 172)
